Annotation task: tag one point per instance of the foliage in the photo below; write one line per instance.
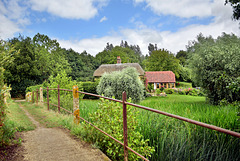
(150, 86)
(169, 91)
(110, 56)
(185, 74)
(109, 118)
(83, 65)
(215, 65)
(182, 56)
(35, 61)
(158, 91)
(90, 87)
(236, 8)
(162, 60)
(178, 140)
(113, 84)
(5, 58)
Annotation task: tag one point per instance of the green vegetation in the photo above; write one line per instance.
(109, 118)
(113, 84)
(171, 139)
(18, 118)
(162, 60)
(215, 66)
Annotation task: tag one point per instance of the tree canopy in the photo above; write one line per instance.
(162, 60)
(236, 8)
(215, 66)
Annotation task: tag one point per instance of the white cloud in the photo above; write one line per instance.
(12, 17)
(172, 41)
(91, 45)
(180, 8)
(72, 9)
(103, 19)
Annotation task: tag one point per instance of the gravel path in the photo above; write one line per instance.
(55, 144)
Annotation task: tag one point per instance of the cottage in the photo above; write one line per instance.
(161, 78)
(109, 68)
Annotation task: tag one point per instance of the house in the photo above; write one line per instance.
(160, 79)
(109, 68)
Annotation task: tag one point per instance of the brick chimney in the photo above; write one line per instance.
(118, 60)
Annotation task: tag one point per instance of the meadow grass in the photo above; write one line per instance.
(177, 140)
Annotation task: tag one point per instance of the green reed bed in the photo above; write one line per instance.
(177, 140)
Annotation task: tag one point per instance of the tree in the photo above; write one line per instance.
(236, 8)
(181, 56)
(110, 57)
(215, 65)
(113, 84)
(162, 60)
(38, 58)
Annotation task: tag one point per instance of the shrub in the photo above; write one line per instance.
(181, 92)
(90, 87)
(109, 118)
(169, 90)
(113, 84)
(158, 91)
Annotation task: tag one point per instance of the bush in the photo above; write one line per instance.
(109, 118)
(169, 91)
(158, 91)
(113, 84)
(181, 92)
(90, 87)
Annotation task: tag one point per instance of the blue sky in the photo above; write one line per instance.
(90, 24)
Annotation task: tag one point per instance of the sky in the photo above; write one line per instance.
(91, 24)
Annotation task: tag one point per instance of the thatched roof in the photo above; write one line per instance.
(108, 68)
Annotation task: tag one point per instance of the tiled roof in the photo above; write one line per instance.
(160, 76)
(108, 68)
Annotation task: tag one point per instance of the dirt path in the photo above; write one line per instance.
(55, 144)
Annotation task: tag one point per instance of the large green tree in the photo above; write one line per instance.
(38, 58)
(128, 54)
(236, 8)
(162, 60)
(83, 65)
(215, 66)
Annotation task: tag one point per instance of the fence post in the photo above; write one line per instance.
(76, 111)
(48, 98)
(58, 99)
(41, 95)
(32, 96)
(124, 98)
(37, 96)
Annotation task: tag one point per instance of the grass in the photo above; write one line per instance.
(171, 138)
(178, 140)
(17, 117)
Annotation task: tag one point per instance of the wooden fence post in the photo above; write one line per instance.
(124, 98)
(76, 111)
(33, 97)
(37, 96)
(48, 98)
(58, 99)
(41, 95)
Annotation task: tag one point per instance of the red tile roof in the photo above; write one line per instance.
(160, 76)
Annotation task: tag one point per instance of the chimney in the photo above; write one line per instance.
(118, 60)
